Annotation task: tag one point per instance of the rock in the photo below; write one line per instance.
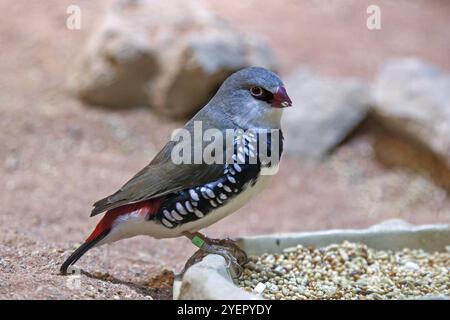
(116, 65)
(325, 112)
(209, 280)
(273, 288)
(172, 57)
(279, 270)
(412, 100)
(412, 266)
(251, 265)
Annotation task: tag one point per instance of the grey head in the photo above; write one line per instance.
(253, 97)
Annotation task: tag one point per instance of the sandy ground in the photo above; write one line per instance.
(57, 156)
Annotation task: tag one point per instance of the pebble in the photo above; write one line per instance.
(250, 266)
(412, 266)
(279, 270)
(260, 287)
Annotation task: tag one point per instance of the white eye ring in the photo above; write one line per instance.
(256, 91)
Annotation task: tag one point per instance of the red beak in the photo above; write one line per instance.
(281, 99)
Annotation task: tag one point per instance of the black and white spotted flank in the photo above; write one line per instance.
(197, 202)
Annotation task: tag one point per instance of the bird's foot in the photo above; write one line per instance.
(231, 247)
(227, 248)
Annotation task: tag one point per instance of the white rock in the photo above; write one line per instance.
(412, 266)
(260, 287)
(209, 280)
(272, 287)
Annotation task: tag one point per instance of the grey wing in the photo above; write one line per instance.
(159, 178)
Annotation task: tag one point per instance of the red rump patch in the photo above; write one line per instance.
(146, 208)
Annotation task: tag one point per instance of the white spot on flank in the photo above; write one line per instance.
(241, 157)
(176, 215)
(194, 195)
(231, 179)
(213, 203)
(226, 188)
(198, 213)
(166, 223)
(203, 192)
(188, 206)
(210, 193)
(181, 209)
(237, 167)
(223, 196)
(167, 215)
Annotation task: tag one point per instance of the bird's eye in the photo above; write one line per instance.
(256, 91)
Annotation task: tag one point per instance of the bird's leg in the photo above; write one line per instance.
(210, 245)
(227, 248)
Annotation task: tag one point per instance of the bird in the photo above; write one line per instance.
(167, 199)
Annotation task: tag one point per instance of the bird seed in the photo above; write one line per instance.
(348, 271)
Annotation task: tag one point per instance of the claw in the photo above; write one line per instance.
(234, 256)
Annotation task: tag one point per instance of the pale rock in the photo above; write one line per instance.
(209, 280)
(412, 99)
(171, 56)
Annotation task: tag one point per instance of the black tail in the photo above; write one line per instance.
(77, 254)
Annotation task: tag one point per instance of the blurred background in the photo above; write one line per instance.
(91, 90)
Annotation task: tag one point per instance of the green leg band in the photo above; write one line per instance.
(198, 242)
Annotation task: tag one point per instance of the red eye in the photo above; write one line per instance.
(256, 91)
